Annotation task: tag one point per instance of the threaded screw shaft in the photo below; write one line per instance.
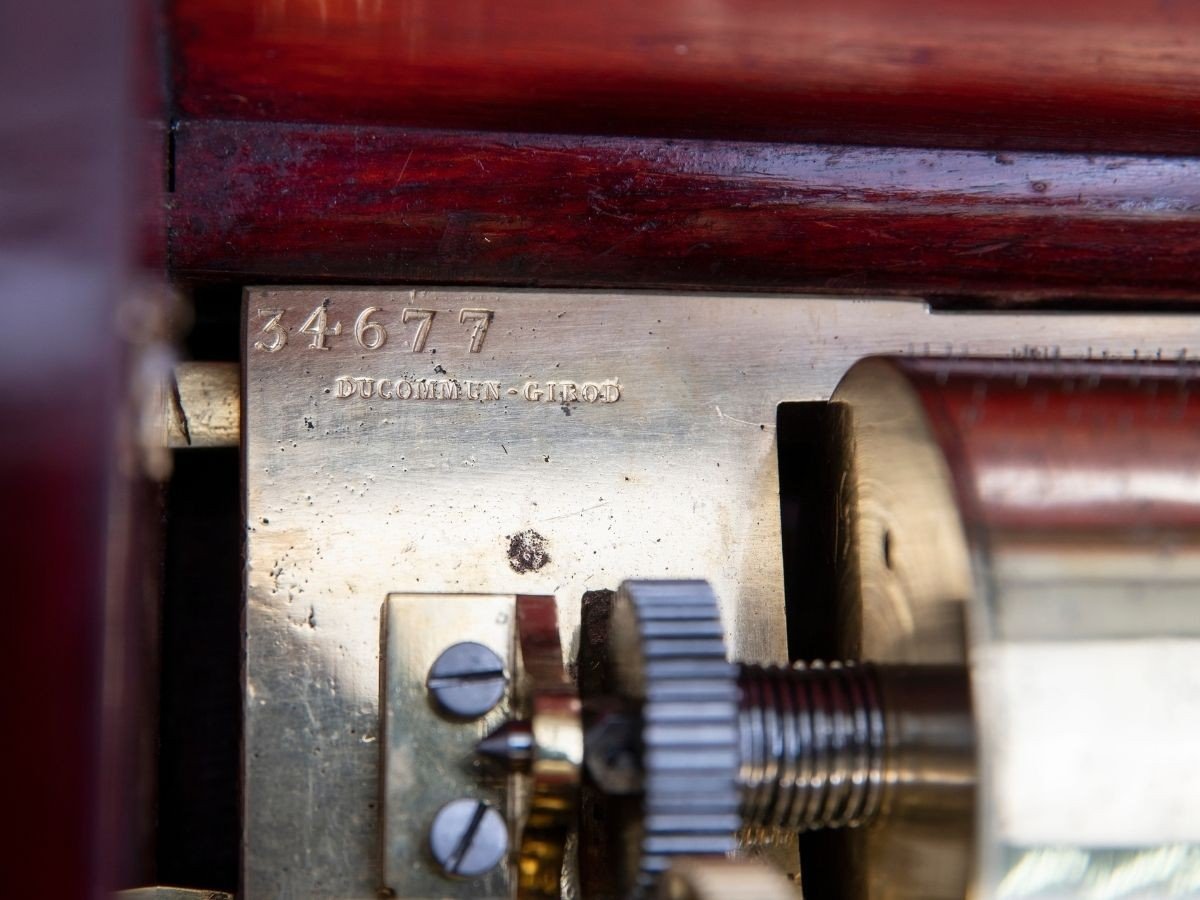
(813, 745)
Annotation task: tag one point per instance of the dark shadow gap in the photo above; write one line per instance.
(199, 818)
(810, 469)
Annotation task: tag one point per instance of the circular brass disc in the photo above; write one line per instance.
(906, 579)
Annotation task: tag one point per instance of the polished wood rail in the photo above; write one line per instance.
(294, 202)
(1115, 75)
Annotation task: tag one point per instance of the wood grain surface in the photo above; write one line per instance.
(1115, 75)
(295, 202)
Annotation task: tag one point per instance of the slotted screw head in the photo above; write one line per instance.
(468, 838)
(467, 680)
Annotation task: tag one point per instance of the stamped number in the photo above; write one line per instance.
(482, 319)
(273, 329)
(368, 334)
(317, 325)
(425, 317)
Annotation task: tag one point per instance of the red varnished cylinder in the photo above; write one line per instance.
(1074, 74)
(1063, 448)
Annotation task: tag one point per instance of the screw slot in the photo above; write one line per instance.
(468, 838)
(467, 680)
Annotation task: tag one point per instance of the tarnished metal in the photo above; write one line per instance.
(535, 442)
(427, 759)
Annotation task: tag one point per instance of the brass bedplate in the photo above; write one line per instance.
(520, 442)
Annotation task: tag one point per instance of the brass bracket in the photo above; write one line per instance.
(428, 759)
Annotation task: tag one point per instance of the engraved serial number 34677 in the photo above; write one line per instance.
(369, 335)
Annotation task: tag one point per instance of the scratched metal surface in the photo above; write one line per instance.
(430, 758)
(350, 498)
